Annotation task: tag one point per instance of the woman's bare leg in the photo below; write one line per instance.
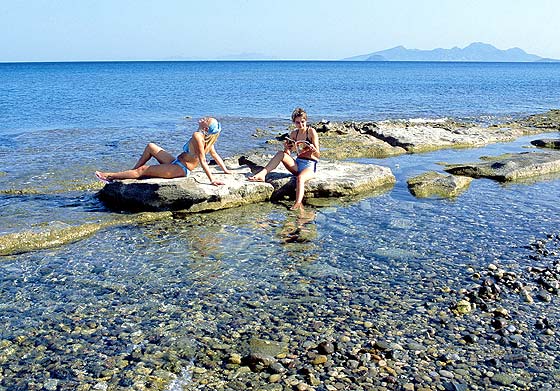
(155, 171)
(303, 177)
(155, 151)
(280, 157)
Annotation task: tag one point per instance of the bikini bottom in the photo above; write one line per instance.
(182, 165)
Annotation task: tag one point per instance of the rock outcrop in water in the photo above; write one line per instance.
(195, 194)
(547, 143)
(510, 167)
(380, 139)
(340, 141)
(435, 184)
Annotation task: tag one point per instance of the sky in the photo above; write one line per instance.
(122, 30)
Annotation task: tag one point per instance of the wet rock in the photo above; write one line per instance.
(382, 345)
(415, 346)
(544, 296)
(470, 338)
(455, 386)
(276, 367)
(196, 194)
(502, 379)
(501, 313)
(51, 385)
(423, 136)
(499, 323)
(320, 359)
(463, 307)
(434, 184)
(326, 348)
(258, 362)
(264, 347)
(235, 358)
(547, 143)
(548, 120)
(510, 167)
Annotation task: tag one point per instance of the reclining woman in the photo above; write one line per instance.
(305, 142)
(194, 153)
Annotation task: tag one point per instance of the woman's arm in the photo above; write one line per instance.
(289, 144)
(315, 143)
(219, 160)
(199, 144)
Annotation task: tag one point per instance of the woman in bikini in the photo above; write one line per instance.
(305, 142)
(194, 153)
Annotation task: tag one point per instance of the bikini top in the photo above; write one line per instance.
(214, 128)
(301, 145)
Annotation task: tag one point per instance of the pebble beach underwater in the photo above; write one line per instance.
(379, 292)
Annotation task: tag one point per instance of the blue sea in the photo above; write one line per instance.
(174, 275)
(47, 96)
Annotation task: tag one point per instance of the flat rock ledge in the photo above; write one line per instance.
(196, 194)
(435, 184)
(340, 140)
(510, 167)
(390, 138)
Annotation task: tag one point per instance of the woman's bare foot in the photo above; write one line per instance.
(103, 177)
(258, 177)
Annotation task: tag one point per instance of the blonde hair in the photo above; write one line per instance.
(299, 112)
(209, 140)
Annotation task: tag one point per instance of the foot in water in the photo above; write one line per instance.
(99, 175)
(297, 206)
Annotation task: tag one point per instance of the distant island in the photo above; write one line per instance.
(475, 52)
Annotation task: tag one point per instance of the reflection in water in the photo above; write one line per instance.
(299, 228)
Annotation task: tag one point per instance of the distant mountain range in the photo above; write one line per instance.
(475, 52)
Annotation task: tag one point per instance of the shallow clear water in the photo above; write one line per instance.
(166, 274)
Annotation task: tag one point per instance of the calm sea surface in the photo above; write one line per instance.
(61, 121)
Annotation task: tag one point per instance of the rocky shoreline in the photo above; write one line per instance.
(317, 327)
(389, 138)
(337, 178)
(334, 331)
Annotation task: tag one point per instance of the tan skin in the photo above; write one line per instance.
(301, 133)
(165, 169)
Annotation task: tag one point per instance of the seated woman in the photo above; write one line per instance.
(305, 142)
(194, 153)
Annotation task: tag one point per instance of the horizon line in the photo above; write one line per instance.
(270, 60)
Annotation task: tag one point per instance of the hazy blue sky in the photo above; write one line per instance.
(81, 30)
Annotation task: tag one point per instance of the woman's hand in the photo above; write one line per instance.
(218, 183)
(288, 146)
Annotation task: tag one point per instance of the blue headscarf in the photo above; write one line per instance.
(214, 127)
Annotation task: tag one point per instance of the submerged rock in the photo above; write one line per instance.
(433, 183)
(196, 194)
(510, 167)
(548, 120)
(547, 143)
(55, 236)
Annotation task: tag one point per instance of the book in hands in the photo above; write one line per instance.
(296, 142)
